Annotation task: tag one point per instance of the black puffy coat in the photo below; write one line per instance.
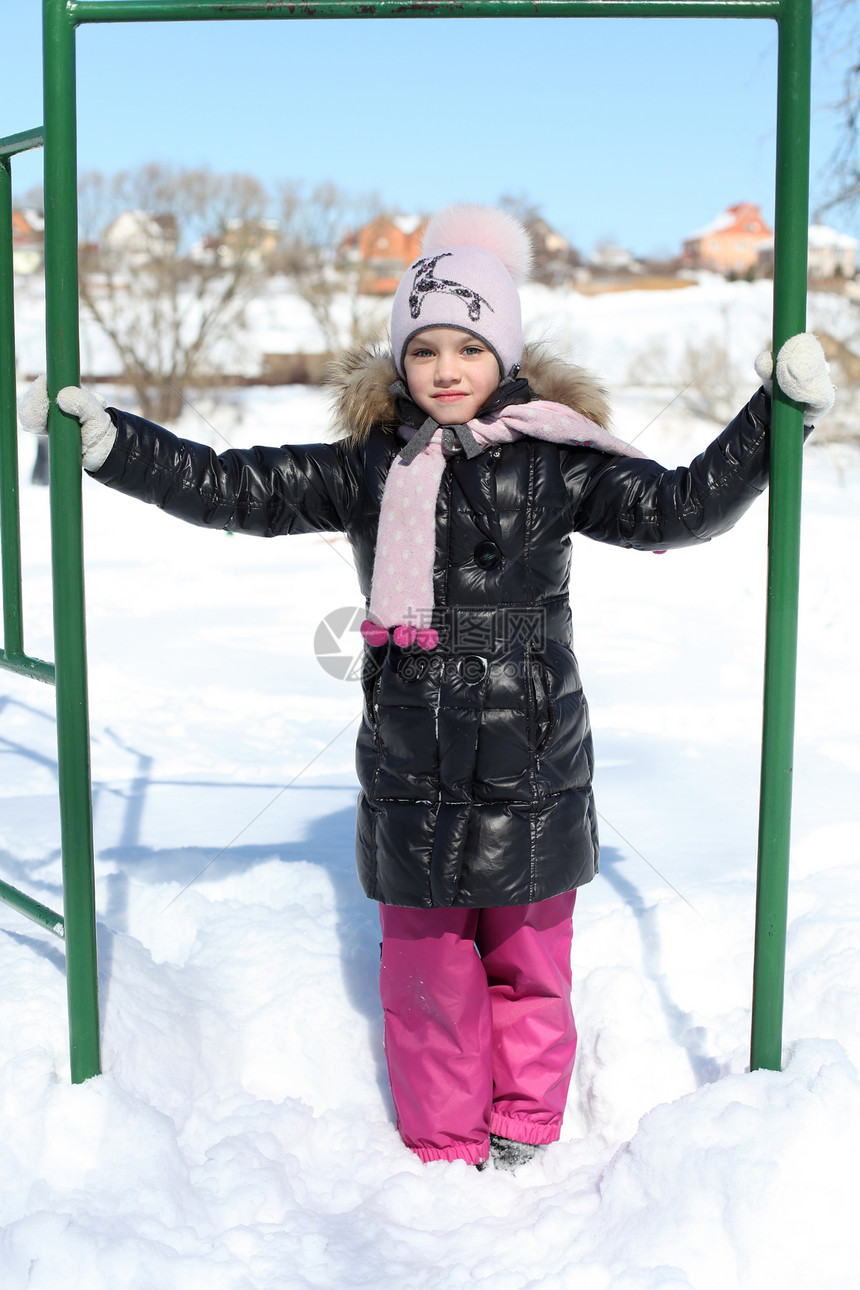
(475, 760)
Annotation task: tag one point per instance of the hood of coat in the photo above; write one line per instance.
(362, 401)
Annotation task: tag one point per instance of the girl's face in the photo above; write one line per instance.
(450, 374)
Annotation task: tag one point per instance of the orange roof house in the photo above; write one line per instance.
(383, 251)
(730, 243)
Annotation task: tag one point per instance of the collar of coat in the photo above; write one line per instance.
(362, 398)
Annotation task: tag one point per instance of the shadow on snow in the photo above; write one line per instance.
(329, 843)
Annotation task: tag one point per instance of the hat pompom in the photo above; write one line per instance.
(468, 224)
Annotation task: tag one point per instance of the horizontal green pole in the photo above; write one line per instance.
(26, 666)
(32, 909)
(85, 11)
(15, 143)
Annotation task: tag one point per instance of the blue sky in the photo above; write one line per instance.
(638, 131)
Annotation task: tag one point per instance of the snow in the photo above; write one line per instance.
(408, 223)
(241, 1136)
(716, 225)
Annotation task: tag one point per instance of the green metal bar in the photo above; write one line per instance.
(791, 223)
(32, 909)
(67, 557)
(10, 523)
(12, 656)
(86, 11)
(26, 666)
(13, 144)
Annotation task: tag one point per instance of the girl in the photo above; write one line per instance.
(462, 468)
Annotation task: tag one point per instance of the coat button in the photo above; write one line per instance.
(487, 555)
(472, 668)
(412, 667)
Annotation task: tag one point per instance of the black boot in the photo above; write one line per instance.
(505, 1153)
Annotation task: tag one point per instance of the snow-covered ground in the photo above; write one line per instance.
(241, 1136)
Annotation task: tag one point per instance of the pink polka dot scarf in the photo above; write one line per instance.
(402, 590)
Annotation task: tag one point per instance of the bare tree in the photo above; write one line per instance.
(554, 259)
(521, 206)
(170, 259)
(837, 27)
(314, 231)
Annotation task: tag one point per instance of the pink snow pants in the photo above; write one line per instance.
(479, 1030)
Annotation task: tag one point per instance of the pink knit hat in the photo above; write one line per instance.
(473, 258)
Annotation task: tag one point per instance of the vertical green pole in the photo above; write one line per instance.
(63, 353)
(10, 540)
(791, 235)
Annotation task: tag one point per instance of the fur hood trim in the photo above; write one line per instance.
(361, 400)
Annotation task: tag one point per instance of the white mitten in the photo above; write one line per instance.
(802, 373)
(33, 407)
(98, 432)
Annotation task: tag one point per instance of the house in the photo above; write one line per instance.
(383, 251)
(730, 243)
(255, 241)
(555, 260)
(136, 238)
(28, 241)
(609, 258)
(829, 255)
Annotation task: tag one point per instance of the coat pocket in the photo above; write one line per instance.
(541, 702)
(405, 706)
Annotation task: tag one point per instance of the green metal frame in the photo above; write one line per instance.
(61, 18)
(12, 655)
(77, 923)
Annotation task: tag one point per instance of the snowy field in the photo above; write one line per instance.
(242, 1136)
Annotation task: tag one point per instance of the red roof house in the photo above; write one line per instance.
(383, 250)
(730, 243)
